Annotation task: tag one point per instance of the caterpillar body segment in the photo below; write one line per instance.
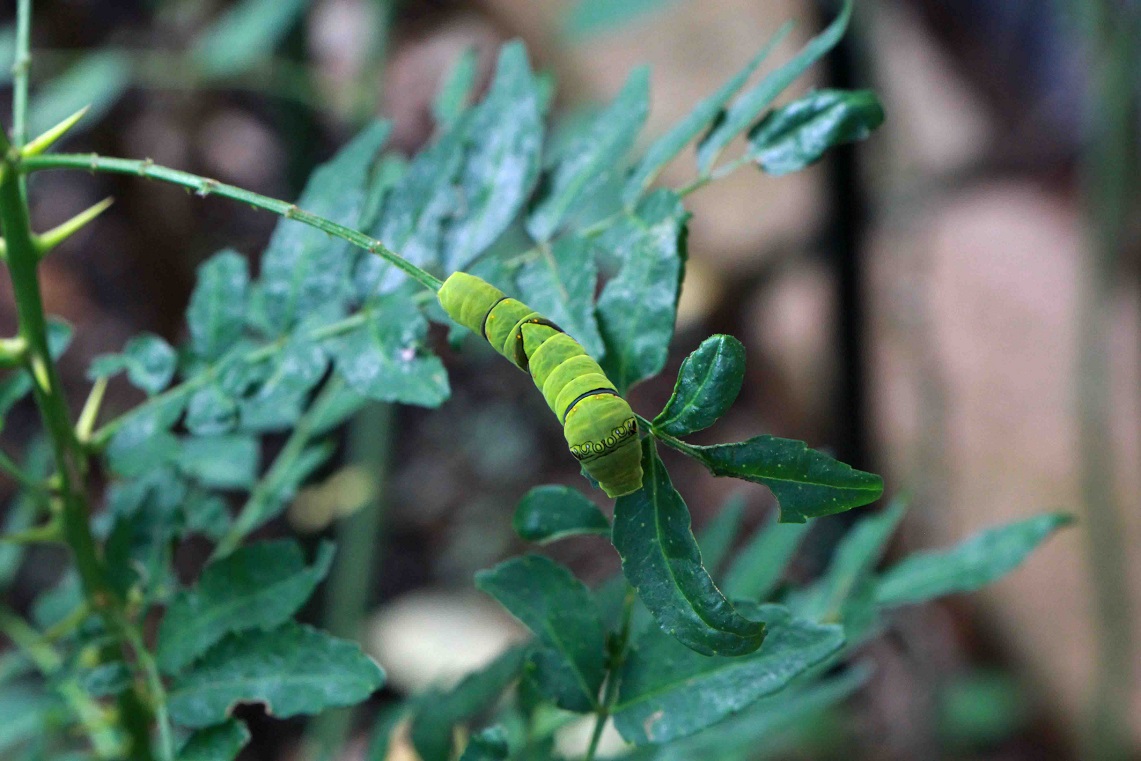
(599, 426)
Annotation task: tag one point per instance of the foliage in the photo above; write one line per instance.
(336, 318)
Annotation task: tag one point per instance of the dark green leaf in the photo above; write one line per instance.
(753, 101)
(549, 513)
(980, 560)
(96, 81)
(488, 745)
(211, 412)
(638, 307)
(792, 137)
(806, 483)
(221, 462)
(707, 384)
(758, 567)
(105, 680)
(559, 610)
(304, 270)
(455, 93)
(206, 514)
(144, 440)
(222, 742)
(662, 562)
(217, 311)
(593, 157)
(560, 283)
(386, 358)
(259, 586)
(245, 35)
(716, 539)
(334, 409)
(669, 145)
(149, 361)
(293, 670)
(433, 727)
(283, 385)
(501, 164)
(669, 691)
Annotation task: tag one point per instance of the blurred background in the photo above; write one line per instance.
(953, 304)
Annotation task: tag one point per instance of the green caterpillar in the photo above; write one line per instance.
(599, 425)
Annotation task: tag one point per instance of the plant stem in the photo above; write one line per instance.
(20, 66)
(203, 186)
(618, 651)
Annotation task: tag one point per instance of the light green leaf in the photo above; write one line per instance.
(560, 283)
(559, 610)
(304, 271)
(790, 138)
(806, 483)
(638, 307)
(593, 157)
(386, 358)
(980, 560)
(97, 80)
(144, 441)
(259, 586)
(211, 412)
(454, 95)
(590, 17)
(669, 145)
(501, 164)
(707, 385)
(661, 560)
(757, 568)
(716, 539)
(221, 742)
(549, 513)
(753, 101)
(217, 311)
(221, 462)
(669, 692)
(245, 35)
(283, 384)
(149, 361)
(293, 670)
(487, 745)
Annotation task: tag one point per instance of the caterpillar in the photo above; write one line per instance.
(599, 426)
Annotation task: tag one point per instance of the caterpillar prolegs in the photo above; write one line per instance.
(599, 425)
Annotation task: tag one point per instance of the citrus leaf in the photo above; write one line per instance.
(669, 692)
(560, 283)
(259, 586)
(797, 135)
(757, 568)
(221, 742)
(638, 307)
(455, 92)
(244, 35)
(217, 310)
(707, 385)
(661, 560)
(149, 361)
(753, 101)
(549, 513)
(220, 462)
(293, 670)
(488, 745)
(560, 611)
(978, 561)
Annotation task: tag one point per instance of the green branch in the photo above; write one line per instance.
(617, 658)
(203, 186)
(20, 66)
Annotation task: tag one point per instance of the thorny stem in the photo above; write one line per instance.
(617, 657)
(203, 186)
(20, 66)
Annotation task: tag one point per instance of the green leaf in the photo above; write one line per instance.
(211, 412)
(455, 93)
(18, 384)
(797, 135)
(661, 560)
(293, 670)
(221, 462)
(259, 586)
(593, 157)
(386, 359)
(282, 385)
(669, 692)
(245, 35)
(304, 271)
(560, 283)
(707, 385)
(806, 483)
(638, 307)
(217, 311)
(669, 145)
(433, 726)
(97, 80)
(852, 564)
(144, 441)
(221, 742)
(149, 361)
(980, 560)
(501, 164)
(549, 513)
(559, 610)
(590, 17)
(487, 745)
(105, 680)
(753, 101)
(757, 569)
(716, 539)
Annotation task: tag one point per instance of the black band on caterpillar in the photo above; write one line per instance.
(580, 397)
(483, 329)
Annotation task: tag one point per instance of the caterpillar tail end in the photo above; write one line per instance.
(629, 480)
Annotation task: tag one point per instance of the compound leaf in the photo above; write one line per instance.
(797, 135)
(560, 283)
(217, 310)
